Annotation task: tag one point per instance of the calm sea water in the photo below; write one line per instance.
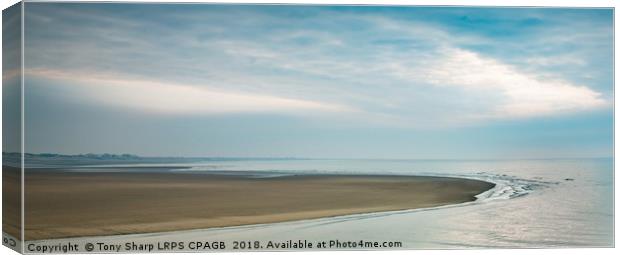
(537, 203)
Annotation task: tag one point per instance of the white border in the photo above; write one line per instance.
(520, 3)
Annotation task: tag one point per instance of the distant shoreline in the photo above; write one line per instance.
(64, 204)
(45, 160)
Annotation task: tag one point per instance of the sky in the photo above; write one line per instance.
(318, 81)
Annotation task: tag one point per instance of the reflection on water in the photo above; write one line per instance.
(537, 203)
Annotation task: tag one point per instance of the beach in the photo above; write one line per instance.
(11, 202)
(62, 204)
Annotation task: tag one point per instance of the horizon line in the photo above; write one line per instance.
(130, 155)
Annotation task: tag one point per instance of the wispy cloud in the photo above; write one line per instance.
(11, 74)
(518, 94)
(171, 98)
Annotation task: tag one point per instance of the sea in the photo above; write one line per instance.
(540, 203)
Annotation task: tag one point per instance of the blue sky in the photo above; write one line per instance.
(319, 81)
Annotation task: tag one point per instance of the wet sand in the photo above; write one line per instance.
(72, 204)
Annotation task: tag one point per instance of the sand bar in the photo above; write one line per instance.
(71, 204)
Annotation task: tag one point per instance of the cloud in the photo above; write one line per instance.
(170, 98)
(10, 74)
(520, 94)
